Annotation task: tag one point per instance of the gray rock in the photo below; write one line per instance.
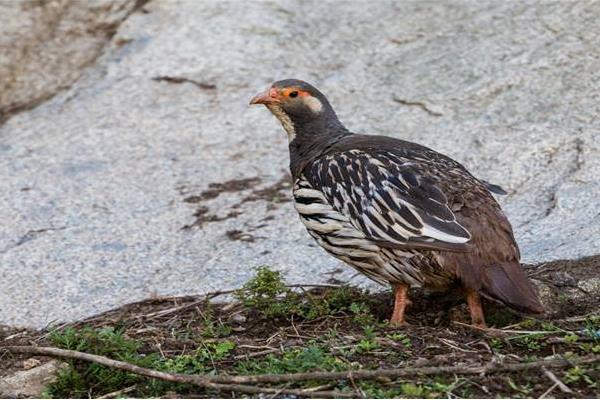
(44, 46)
(31, 382)
(105, 190)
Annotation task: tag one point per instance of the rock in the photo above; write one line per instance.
(45, 46)
(237, 319)
(31, 382)
(148, 175)
(568, 288)
(31, 363)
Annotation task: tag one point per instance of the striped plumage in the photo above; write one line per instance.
(398, 212)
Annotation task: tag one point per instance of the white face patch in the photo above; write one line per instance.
(284, 119)
(313, 103)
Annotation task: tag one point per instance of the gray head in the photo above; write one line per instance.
(301, 109)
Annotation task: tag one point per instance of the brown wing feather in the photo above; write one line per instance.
(492, 267)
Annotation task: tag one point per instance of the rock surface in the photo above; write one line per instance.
(30, 382)
(150, 176)
(45, 45)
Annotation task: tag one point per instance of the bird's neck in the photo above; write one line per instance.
(312, 139)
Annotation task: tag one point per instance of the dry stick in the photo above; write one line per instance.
(404, 372)
(547, 392)
(502, 333)
(198, 380)
(257, 354)
(117, 393)
(211, 381)
(314, 285)
(563, 388)
(204, 298)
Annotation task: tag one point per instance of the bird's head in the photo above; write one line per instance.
(299, 106)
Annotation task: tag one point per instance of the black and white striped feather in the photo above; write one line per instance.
(388, 199)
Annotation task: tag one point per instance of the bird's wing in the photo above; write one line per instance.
(493, 188)
(395, 202)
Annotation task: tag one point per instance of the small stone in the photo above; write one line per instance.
(237, 319)
(31, 363)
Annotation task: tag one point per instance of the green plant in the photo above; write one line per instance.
(525, 389)
(267, 293)
(362, 313)
(213, 328)
(528, 323)
(576, 374)
(201, 361)
(592, 327)
(374, 391)
(84, 379)
(401, 338)
(297, 360)
(590, 348)
(571, 338)
(366, 345)
(549, 327)
(496, 343)
(89, 379)
(531, 341)
(412, 390)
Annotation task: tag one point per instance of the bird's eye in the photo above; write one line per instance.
(294, 93)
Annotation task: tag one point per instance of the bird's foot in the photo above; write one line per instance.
(401, 301)
(479, 324)
(399, 323)
(475, 308)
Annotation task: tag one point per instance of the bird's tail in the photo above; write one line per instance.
(508, 284)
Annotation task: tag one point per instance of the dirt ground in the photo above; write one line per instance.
(352, 334)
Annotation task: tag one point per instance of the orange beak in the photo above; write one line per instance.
(269, 96)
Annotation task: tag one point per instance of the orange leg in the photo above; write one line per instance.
(401, 301)
(474, 302)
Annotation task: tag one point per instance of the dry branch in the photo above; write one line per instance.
(198, 380)
(236, 383)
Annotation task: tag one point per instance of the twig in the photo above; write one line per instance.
(117, 393)
(580, 318)
(506, 332)
(404, 372)
(489, 331)
(209, 381)
(357, 390)
(547, 392)
(256, 354)
(15, 335)
(449, 343)
(295, 329)
(315, 285)
(204, 298)
(563, 388)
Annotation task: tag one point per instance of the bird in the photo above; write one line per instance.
(400, 213)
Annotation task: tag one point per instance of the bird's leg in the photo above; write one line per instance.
(400, 302)
(474, 302)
